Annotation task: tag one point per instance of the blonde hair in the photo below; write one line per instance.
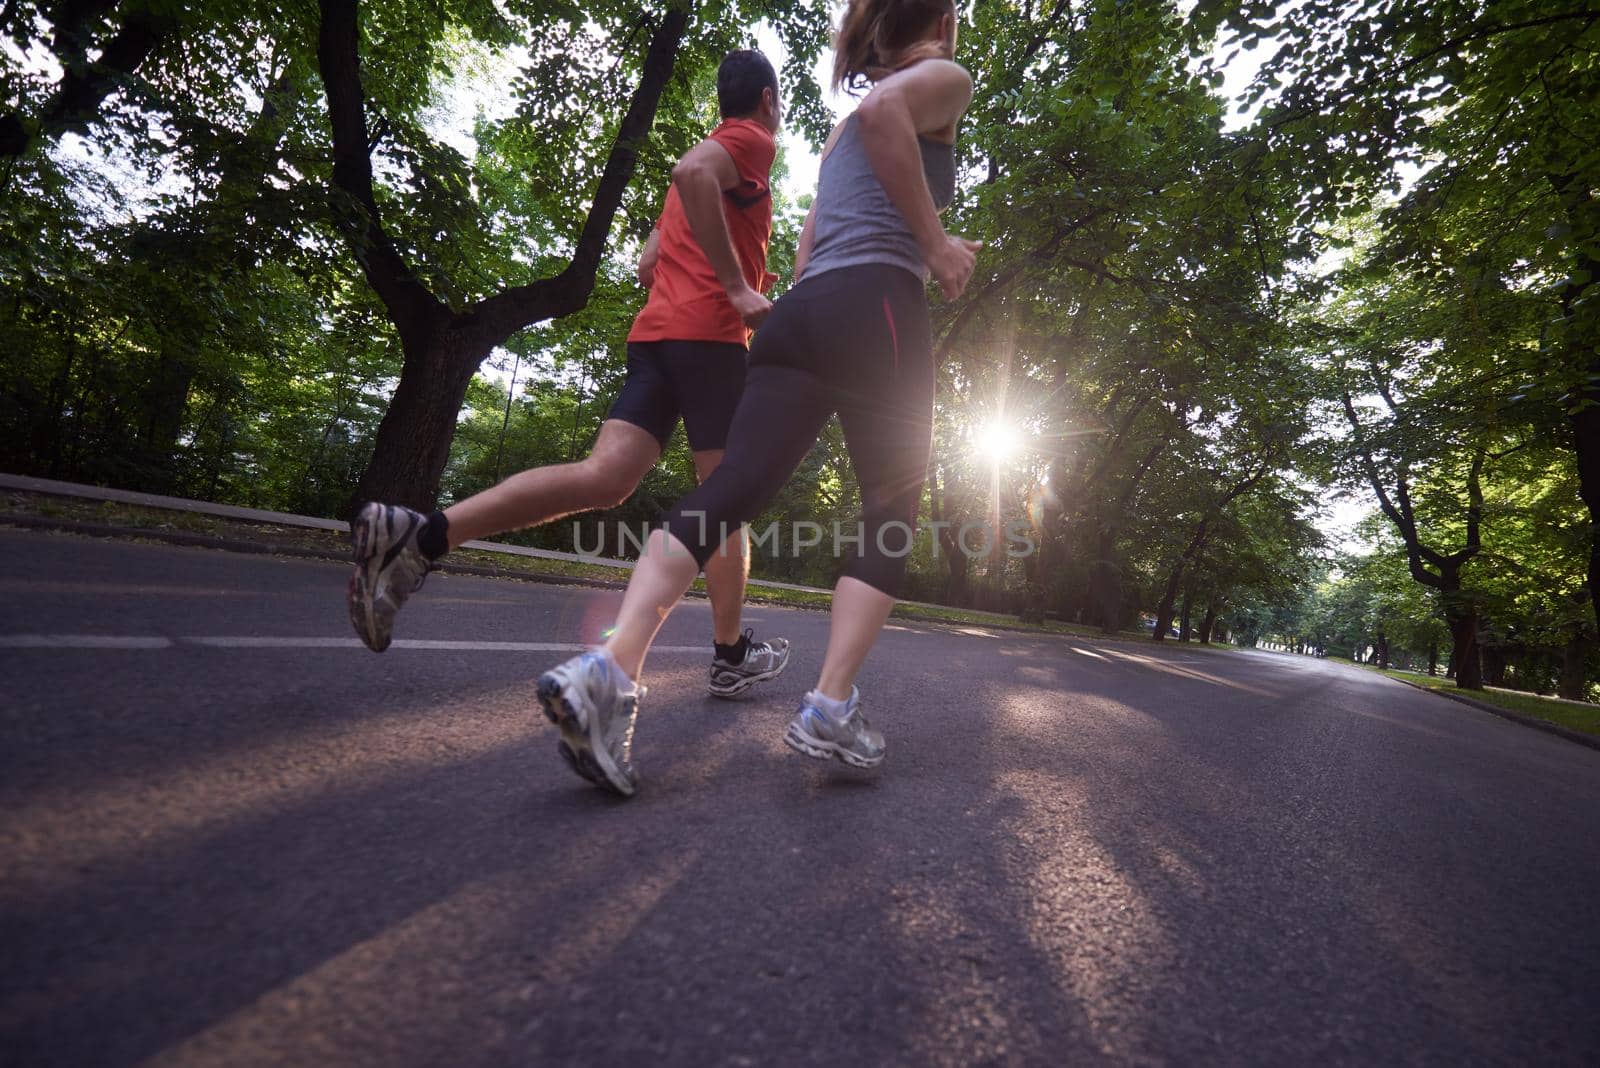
(878, 37)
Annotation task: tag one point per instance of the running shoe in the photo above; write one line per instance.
(580, 697)
(389, 568)
(762, 661)
(851, 740)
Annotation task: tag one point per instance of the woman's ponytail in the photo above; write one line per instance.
(877, 37)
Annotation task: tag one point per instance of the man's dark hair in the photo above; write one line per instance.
(740, 79)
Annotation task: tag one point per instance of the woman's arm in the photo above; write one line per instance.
(802, 252)
(927, 98)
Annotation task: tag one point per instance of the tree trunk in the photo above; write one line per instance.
(1183, 618)
(413, 440)
(1168, 607)
(957, 588)
(1586, 444)
(443, 348)
(210, 233)
(1034, 569)
(1209, 623)
(1574, 667)
(1381, 652)
(166, 398)
(1105, 582)
(1463, 623)
(1433, 659)
(1492, 660)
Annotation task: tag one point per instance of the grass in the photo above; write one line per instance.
(1569, 714)
(111, 513)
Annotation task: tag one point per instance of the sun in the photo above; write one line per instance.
(997, 442)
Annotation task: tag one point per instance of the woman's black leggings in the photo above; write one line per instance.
(856, 341)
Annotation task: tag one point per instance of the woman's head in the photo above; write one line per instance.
(878, 37)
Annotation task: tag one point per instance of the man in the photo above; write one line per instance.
(705, 267)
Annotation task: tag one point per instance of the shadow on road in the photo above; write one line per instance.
(1113, 855)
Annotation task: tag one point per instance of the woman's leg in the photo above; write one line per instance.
(859, 613)
(888, 429)
(778, 420)
(665, 571)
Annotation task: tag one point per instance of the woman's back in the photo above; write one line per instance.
(854, 222)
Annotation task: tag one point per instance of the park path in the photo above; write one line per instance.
(231, 839)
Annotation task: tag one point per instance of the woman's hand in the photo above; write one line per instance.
(951, 264)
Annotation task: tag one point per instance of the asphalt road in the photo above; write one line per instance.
(290, 851)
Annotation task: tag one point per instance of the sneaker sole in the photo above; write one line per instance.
(746, 682)
(817, 749)
(575, 747)
(363, 581)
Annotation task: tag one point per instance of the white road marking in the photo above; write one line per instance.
(102, 641)
(80, 641)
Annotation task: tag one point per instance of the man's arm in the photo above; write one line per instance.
(647, 259)
(701, 177)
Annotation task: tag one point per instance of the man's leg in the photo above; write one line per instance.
(612, 470)
(778, 420)
(395, 547)
(739, 659)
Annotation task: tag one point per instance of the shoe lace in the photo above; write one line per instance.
(751, 645)
(427, 570)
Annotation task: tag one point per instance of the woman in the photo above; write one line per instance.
(851, 337)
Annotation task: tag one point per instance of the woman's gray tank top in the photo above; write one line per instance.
(855, 222)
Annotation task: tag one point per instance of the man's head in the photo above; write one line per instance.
(747, 88)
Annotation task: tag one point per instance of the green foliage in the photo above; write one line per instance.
(1173, 303)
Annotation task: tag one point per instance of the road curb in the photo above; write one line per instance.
(269, 548)
(1590, 740)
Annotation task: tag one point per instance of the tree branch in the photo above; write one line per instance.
(412, 307)
(1003, 279)
(71, 22)
(1140, 472)
(1402, 518)
(1495, 30)
(7, 15)
(497, 317)
(84, 86)
(81, 92)
(1118, 443)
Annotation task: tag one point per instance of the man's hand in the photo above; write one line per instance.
(751, 306)
(648, 258)
(951, 264)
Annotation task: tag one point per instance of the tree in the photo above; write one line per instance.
(444, 347)
(1500, 99)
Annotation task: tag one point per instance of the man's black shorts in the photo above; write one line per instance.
(698, 380)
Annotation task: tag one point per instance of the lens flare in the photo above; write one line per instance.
(997, 442)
